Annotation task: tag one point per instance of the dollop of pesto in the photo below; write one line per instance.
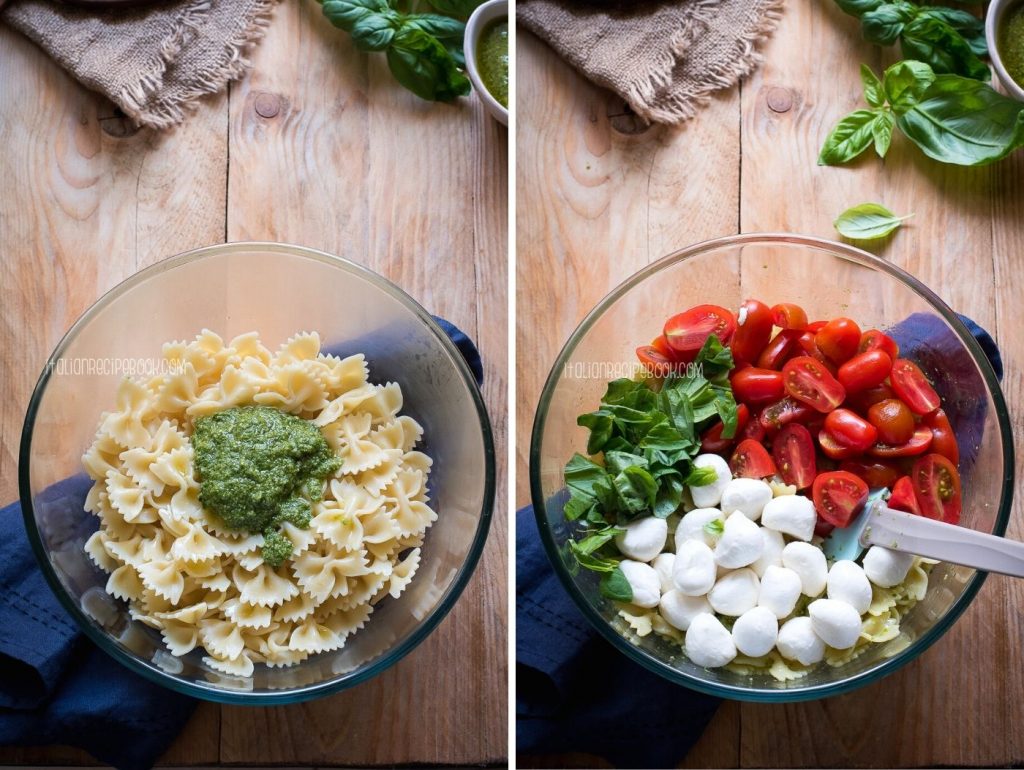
(492, 60)
(255, 463)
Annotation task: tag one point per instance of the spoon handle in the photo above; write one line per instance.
(946, 542)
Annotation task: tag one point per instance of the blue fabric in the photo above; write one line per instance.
(56, 687)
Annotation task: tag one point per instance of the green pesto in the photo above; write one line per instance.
(1011, 43)
(492, 60)
(254, 464)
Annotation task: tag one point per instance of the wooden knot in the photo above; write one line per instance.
(267, 105)
(624, 120)
(780, 99)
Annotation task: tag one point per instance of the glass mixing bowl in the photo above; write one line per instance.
(276, 290)
(827, 279)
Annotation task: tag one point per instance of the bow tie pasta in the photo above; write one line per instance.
(257, 505)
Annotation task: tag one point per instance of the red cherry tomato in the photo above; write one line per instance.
(816, 326)
(903, 497)
(687, 331)
(712, 440)
(839, 496)
(754, 430)
(876, 474)
(657, 363)
(661, 345)
(850, 429)
(779, 349)
(754, 386)
(794, 454)
(865, 370)
(784, 411)
(833, 449)
(808, 381)
(753, 334)
(838, 339)
(751, 460)
(918, 444)
(862, 401)
(823, 528)
(810, 347)
(937, 488)
(943, 439)
(913, 387)
(786, 315)
(894, 421)
(873, 339)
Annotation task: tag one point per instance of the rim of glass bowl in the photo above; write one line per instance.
(752, 693)
(344, 681)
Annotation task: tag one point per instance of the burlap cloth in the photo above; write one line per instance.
(152, 62)
(664, 58)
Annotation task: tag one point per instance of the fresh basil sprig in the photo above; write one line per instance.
(868, 221)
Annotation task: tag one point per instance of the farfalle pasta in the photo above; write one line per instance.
(310, 575)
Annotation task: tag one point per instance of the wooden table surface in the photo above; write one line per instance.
(317, 146)
(598, 198)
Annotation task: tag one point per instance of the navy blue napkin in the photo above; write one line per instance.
(56, 687)
(576, 693)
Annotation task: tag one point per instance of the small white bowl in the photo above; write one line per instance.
(997, 9)
(483, 16)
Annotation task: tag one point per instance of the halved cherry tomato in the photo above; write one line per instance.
(850, 429)
(865, 370)
(903, 497)
(810, 347)
(937, 488)
(754, 386)
(833, 449)
(784, 411)
(658, 363)
(751, 460)
(786, 315)
(873, 339)
(754, 430)
(807, 380)
(918, 444)
(839, 496)
(753, 333)
(687, 331)
(823, 528)
(779, 349)
(943, 439)
(894, 421)
(862, 401)
(876, 474)
(816, 326)
(838, 339)
(913, 387)
(712, 440)
(793, 451)
(661, 345)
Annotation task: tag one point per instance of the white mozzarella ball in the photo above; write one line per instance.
(809, 563)
(691, 526)
(755, 631)
(708, 642)
(747, 495)
(663, 564)
(741, 542)
(837, 623)
(792, 515)
(679, 610)
(780, 589)
(886, 568)
(771, 553)
(797, 641)
(644, 582)
(643, 539)
(710, 495)
(848, 583)
(735, 593)
(693, 572)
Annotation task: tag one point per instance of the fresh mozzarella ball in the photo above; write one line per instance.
(848, 583)
(711, 494)
(792, 515)
(679, 610)
(797, 641)
(780, 588)
(691, 526)
(708, 642)
(643, 539)
(644, 582)
(693, 572)
(886, 568)
(809, 563)
(735, 593)
(741, 542)
(771, 554)
(837, 623)
(755, 631)
(747, 495)
(662, 564)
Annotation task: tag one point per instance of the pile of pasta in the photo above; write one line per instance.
(203, 586)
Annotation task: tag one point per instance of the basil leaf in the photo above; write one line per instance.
(715, 527)
(873, 92)
(597, 540)
(583, 477)
(614, 586)
(970, 27)
(459, 8)
(931, 40)
(868, 221)
(424, 66)
(442, 27)
(637, 489)
(851, 136)
(344, 14)
(374, 32)
(905, 82)
(858, 7)
(884, 24)
(964, 122)
(881, 132)
(701, 477)
(714, 358)
(590, 561)
(617, 462)
(600, 425)
(670, 497)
